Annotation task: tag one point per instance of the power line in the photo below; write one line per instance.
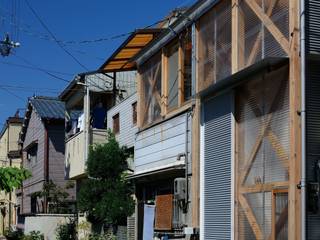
(13, 94)
(53, 36)
(40, 69)
(35, 68)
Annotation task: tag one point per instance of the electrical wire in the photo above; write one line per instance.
(11, 93)
(53, 36)
(41, 69)
(35, 68)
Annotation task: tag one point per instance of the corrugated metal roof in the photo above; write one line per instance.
(48, 108)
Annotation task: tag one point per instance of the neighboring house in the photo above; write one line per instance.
(9, 156)
(42, 142)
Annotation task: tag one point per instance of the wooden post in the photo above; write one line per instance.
(195, 130)
(164, 83)
(294, 210)
(180, 76)
(141, 101)
(237, 41)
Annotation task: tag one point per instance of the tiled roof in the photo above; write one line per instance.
(48, 108)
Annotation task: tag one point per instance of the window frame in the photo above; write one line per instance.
(116, 127)
(134, 109)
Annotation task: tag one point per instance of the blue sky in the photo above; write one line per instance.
(71, 20)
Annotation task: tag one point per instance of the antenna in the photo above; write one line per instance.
(6, 46)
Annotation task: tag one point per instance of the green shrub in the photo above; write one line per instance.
(66, 231)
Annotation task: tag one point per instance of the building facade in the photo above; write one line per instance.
(42, 143)
(9, 157)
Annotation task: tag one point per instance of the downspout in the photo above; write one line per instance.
(87, 122)
(303, 119)
(46, 162)
(187, 165)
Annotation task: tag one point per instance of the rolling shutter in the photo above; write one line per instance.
(217, 167)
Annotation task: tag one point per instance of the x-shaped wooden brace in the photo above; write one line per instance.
(275, 143)
(265, 131)
(257, 43)
(269, 24)
(153, 82)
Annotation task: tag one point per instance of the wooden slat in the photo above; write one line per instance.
(280, 151)
(269, 24)
(266, 187)
(251, 217)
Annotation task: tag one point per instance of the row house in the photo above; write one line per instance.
(9, 157)
(101, 100)
(43, 149)
(228, 123)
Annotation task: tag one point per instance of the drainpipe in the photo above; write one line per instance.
(87, 122)
(46, 161)
(187, 165)
(303, 119)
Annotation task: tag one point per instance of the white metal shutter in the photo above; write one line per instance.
(217, 167)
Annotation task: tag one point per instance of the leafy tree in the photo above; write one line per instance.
(106, 194)
(12, 177)
(56, 195)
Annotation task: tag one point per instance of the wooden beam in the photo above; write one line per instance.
(164, 83)
(269, 24)
(251, 217)
(266, 187)
(257, 43)
(140, 102)
(280, 151)
(180, 76)
(294, 224)
(237, 31)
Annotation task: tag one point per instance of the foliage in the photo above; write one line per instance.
(107, 236)
(19, 235)
(66, 231)
(56, 195)
(106, 194)
(12, 177)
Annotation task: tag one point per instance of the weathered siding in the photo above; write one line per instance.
(14, 130)
(128, 130)
(34, 132)
(158, 147)
(56, 156)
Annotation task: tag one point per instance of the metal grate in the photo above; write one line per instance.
(263, 150)
(313, 26)
(214, 47)
(313, 142)
(258, 42)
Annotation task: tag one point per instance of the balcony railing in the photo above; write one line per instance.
(75, 159)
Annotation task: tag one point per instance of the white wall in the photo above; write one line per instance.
(46, 224)
(127, 129)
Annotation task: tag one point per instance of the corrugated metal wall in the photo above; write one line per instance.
(158, 147)
(217, 167)
(313, 26)
(313, 140)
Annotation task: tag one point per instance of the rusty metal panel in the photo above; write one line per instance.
(164, 212)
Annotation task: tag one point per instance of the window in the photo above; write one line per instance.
(150, 95)
(116, 123)
(32, 154)
(172, 75)
(134, 113)
(186, 45)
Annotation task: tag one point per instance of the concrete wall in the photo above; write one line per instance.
(46, 224)
(158, 147)
(128, 130)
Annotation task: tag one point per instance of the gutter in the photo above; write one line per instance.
(186, 20)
